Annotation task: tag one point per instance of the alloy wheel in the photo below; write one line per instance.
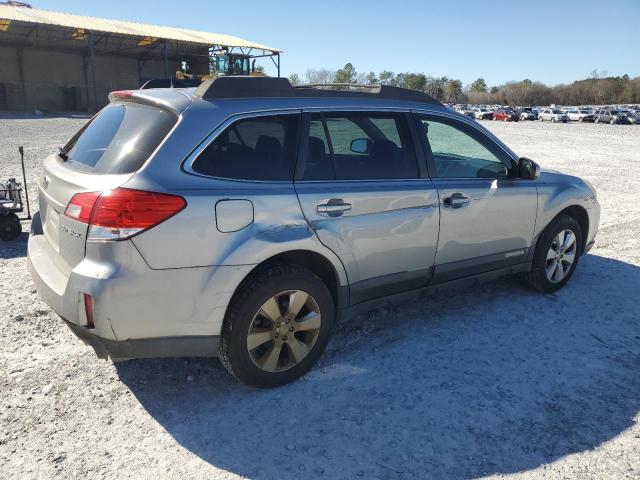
(284, 331)
(561, 255)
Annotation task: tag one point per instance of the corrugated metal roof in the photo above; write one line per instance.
(33, 15)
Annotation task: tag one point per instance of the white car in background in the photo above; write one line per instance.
(552, 115)
(482, 113)
(580, 115)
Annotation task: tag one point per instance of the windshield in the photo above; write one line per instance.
(557, 112)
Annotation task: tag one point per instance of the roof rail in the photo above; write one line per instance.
(339, 86)
(267, 87)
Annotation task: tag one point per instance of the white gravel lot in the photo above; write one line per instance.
(497, 381)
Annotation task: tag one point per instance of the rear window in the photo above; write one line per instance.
(119, 139)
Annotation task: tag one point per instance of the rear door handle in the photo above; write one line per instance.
(333, 208)
(457, 200)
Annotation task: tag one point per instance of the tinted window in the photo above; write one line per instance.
(260, 148)
(119, 139)
(359, 146)
(460, 152)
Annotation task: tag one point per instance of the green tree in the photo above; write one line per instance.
(295, 79)
(454, 90)
(387, 78)
(346, 74)
(372, 78)
(478, 86)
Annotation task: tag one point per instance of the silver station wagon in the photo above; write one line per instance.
(244, 218)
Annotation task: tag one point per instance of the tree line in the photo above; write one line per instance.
(595, 90)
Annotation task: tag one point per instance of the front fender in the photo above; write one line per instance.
(557, 192)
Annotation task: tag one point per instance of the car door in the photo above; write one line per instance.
(368, 199)
(487, 214)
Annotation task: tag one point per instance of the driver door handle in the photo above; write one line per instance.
(457, 200)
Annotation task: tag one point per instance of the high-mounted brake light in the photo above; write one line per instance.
(122, 94)
(122, 213)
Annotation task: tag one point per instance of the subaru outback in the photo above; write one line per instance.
(243, 218)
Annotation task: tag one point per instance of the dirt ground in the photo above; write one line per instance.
(498, 381)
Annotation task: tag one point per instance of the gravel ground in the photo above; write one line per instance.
(496, 381)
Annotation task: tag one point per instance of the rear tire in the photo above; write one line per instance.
(10, 227)
(543, 277)
(263, 342)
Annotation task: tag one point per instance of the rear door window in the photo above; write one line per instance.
(359, 146)
(119, 139)
(257, 148)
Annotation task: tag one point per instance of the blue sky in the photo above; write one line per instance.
(552, 41)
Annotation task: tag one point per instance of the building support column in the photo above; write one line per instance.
(166, 60)
(20, 54)
(92, 65)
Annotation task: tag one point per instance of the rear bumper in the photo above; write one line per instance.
(193, 346)
(137, 311)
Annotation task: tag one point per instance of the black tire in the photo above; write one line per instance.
(10, 227)
(260, 286)
(537, 277)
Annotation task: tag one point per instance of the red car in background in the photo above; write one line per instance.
(506, 115)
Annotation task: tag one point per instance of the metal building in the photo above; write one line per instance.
(55, 61)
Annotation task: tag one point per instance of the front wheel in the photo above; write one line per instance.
(277, 325)
(556, 256)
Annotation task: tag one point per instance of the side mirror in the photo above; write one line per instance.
(528, 169)
(360, 145)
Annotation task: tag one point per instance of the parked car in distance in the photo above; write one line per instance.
(580, 115)
(244, 218)
(612, 116)
(481, 113)
(552, 115)
(465, 110)
(634, 118)
(527, 113)
(506, 115)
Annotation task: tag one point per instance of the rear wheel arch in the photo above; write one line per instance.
(312, 261)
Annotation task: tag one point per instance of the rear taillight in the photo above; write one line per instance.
(81, 205)
(122, 213)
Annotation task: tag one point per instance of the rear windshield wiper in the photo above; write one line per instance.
(62, 154)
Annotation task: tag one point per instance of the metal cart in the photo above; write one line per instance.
(11, 204)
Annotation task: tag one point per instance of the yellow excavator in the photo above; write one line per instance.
(222, 64)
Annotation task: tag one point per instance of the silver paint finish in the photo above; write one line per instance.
(178, 278)
(499, 216)
(390, 227)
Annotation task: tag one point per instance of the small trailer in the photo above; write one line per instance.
(11, 204)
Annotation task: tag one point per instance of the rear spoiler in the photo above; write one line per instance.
(168, 99)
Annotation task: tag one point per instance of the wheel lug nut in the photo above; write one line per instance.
(284, 338)
(291, 329)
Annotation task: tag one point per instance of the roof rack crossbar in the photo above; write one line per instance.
(268, 87)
